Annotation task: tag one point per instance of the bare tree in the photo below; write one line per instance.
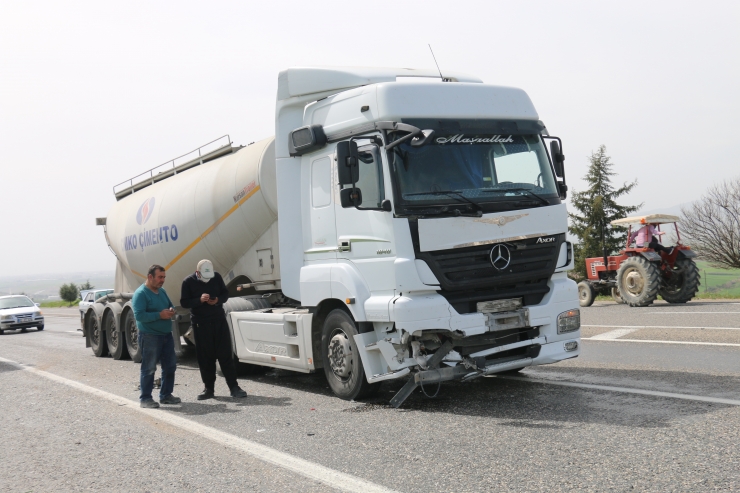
(712, 225)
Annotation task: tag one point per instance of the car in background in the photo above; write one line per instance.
(19, 312)
(89, 298)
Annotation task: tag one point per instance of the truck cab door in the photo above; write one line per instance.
(320, 239)
(365, 235)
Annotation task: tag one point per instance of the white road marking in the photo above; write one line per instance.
(628, 390)
(683, 313)
(663, 342)
(613, 334)
(659, 327)
(312, 470)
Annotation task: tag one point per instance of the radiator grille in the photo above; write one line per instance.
(467, 275)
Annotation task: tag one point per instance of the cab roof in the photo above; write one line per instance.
(648, 219)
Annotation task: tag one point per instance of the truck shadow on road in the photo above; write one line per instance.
(539, 405)
(533, 404)
(530, 404)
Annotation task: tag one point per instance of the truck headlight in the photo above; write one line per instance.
(569, 321)
(6, 317)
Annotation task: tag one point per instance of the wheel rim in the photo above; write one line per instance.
(340, 355)
(133, 334)
(112, 333)
(634, 282)
(583, 293)
(94, 332)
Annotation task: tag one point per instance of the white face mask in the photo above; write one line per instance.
(200, 278)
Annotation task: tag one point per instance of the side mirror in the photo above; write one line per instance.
(386, 205)
(306, 139)
(37, 304)
(348, 171)
(350, 197)
(557, 158)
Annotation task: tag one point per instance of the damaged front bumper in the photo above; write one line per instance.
(535, 352)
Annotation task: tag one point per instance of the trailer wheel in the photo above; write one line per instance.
(586, 293)
(115, 339)
(131, 335)
(683, 282)
(638, 281)
(342, 365)
(617, 296)
(97, 336)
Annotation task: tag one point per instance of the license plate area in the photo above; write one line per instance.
(507, 320)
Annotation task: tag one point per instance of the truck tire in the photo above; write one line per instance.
(683, 284)
(116, 340)
(342, 365)
(638, 281)
(244, 304)
(586, 293)
(617, 296)
(131, 336)
(97, 336)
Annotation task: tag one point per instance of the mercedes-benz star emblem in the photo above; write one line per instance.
(500, 257)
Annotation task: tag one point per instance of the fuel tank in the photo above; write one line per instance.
(224, 210)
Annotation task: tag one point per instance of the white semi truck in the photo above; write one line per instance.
(396, 227)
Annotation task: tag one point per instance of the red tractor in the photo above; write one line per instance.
(638, 275)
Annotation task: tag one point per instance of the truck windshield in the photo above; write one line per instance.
(496, 172)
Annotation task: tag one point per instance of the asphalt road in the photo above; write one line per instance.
(652, 404)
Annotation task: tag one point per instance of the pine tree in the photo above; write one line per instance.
(596, 207)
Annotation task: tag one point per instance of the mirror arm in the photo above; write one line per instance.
(403, 139)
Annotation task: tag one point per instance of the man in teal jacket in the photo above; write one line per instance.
(153, 311)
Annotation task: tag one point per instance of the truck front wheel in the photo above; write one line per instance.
(342, 364)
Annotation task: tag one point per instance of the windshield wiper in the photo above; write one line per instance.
(543, 200)
(425, 210)
(453, 194)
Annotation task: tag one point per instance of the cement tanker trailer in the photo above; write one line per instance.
(392, 230)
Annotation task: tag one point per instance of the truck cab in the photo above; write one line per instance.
(422, 227)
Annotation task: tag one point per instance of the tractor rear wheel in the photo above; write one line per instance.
(586, 293)
(683, 282)
(638, 281)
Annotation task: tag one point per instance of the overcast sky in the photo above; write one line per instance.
(93, 93)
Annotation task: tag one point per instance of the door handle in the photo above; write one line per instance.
(345, 246)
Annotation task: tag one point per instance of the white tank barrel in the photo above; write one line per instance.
(224, 210)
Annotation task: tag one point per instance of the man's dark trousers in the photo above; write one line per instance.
(213, 342)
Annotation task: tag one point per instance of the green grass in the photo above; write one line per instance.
(719, 283)
(58, 304)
